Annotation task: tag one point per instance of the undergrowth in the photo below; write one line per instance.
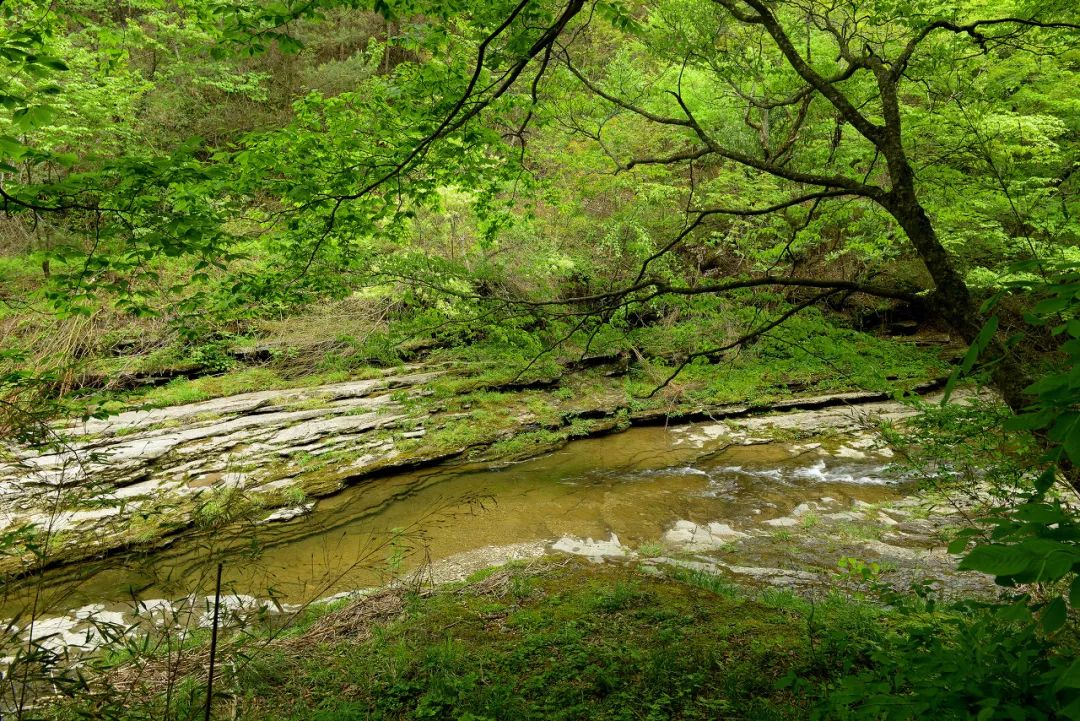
(571, 640)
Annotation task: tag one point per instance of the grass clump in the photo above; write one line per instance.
(224, 504)
(527, 444)
(579, 643)
(294, 495)
(568, 641)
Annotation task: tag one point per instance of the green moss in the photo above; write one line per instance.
(854, 531)
(182, 391)
(455, 436)
(527, 444)
(162, 425)
(572, 643)
(307, 404)
(241, 380)
(581, 428)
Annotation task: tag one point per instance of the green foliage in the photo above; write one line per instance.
(963, 450)
(1014, 659)
(969, 663)
(579, 645)
(1037, 540)
(214, 356)
(188, 172)
(224, 505)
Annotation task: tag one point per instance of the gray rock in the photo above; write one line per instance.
(287, 514)
(595, 551)
(693, 536)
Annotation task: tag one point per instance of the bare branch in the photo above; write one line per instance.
(660, 288)
(851, 185)
(763, 16)
(744, 339)
(836, 285)
(744, 212)
(971, 29)
(684, 156)
(648, 115)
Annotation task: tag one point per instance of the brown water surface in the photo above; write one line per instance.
(634, 485)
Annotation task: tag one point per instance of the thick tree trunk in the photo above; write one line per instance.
(952, 300)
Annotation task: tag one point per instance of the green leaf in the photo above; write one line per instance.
(997, 560)
(1072, 711)
(1045, 480)
(989, 303)
(982, 340)
(32, 117)
(1066, 431)
(1051, 306)
(1029, 421)
(1074, 593)
(1054, 615)
(958, 545)
(1070, 677)
(11, 148)
(1054, 567)
(1041, 513)
(1018, 612)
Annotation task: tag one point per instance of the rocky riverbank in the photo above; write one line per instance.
(138, 478)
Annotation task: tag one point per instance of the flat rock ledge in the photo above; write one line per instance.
(136, 479)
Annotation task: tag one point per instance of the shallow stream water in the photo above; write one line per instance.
(623, 490)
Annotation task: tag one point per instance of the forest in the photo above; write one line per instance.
(539, 359)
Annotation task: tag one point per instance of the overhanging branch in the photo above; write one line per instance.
(972, 29)
(744, 339)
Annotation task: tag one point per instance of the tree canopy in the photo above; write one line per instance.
(671, 183)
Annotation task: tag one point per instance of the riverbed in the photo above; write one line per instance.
(727, 499)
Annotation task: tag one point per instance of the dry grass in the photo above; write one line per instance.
(338, 328)
(354, 621)
(153, 674)
(50, 357)
(65, 347)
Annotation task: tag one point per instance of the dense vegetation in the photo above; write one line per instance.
(727, 201)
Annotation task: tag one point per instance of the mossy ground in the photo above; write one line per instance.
(763, 374)
(555, 640)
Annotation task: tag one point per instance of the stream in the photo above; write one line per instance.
(780, 513)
